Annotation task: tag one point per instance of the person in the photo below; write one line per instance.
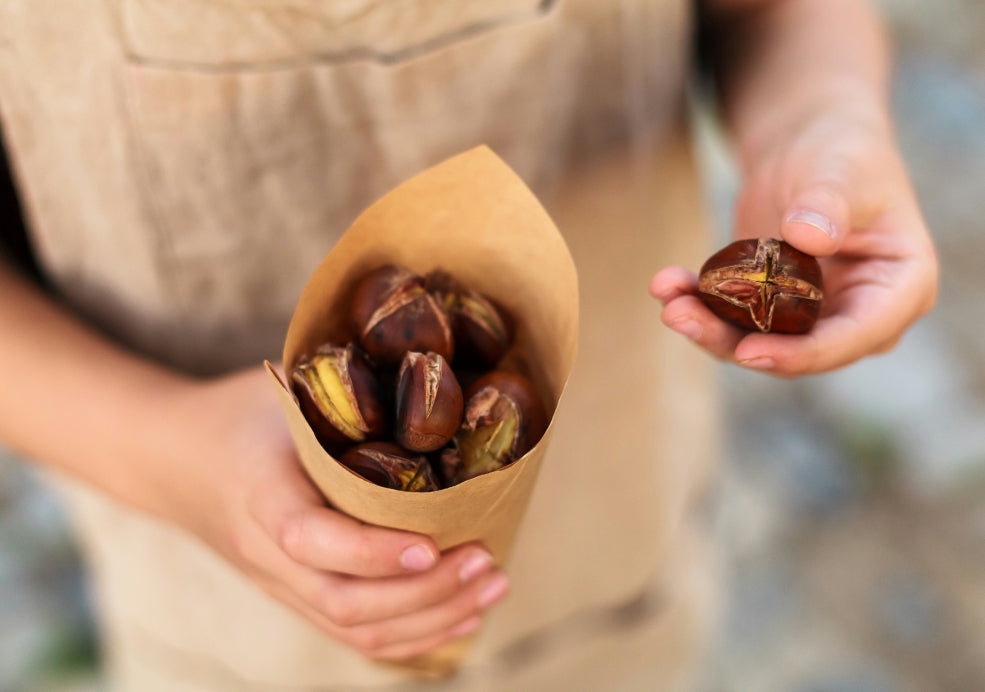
(184, 166)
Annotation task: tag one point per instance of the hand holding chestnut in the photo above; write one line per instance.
(832, 184)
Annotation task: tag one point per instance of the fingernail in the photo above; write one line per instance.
(762, 363)
(687, 327)
(417, 558)
(812, 218)
(467, 627)
(494, 590)
(474, 566)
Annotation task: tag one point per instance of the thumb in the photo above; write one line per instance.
(818, 216)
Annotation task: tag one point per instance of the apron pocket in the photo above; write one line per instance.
(229, 34)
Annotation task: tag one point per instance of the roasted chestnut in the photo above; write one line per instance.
(388, 465)
(429, 402)
(503, 419)
(392, 314)
(482, 331)
(763, 284)
(339, 395)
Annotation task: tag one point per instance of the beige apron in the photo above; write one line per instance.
(186, 163)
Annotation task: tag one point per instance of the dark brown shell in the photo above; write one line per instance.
(763, 284)
(392, 314)
(390, 466)
(429, 402)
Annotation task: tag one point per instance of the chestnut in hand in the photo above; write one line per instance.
(504, 418)
(393, 314)
(429, 402)
(763, 284)
(339, 395)
(388, 465)
(482, 331)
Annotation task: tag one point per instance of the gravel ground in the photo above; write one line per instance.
(854, 539)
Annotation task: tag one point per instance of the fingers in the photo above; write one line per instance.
(352, 601)
(408, 649)
(327, 540)
(871, 303)
(837, 184)
(870, 323)
(393, 618)
(378, 639)
(389, 610)
(818, 184)
(869, 320)
(375, 641)
(818, 219)
(673, 282)
(324, 539)
(387, 593)
(872, 296)
(837, 191)
(687, 315)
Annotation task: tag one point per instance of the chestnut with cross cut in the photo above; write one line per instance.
(482, 331)
(392, 314)
(428, 402)
(503, 419)
(339, 394)
(763, 285)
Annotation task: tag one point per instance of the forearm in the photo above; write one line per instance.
(780, 62)
(74, 401)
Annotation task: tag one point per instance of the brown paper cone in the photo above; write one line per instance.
(472, 216)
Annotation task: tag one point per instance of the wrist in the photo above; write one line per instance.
(140, 458)
(206, 444)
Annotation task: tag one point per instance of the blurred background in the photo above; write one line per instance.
(850, 505)
(852, 513)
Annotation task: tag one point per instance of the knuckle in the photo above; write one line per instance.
(446, 583)
(365, 551)
(369, 641)
(340, 610)
(292, 534)
(242, 545)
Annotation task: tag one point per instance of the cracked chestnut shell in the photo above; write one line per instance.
(339, 395)
(482, 330)
(392, 314)
(390, 466)
(763, 285)
(429, 402)
(503, 419)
